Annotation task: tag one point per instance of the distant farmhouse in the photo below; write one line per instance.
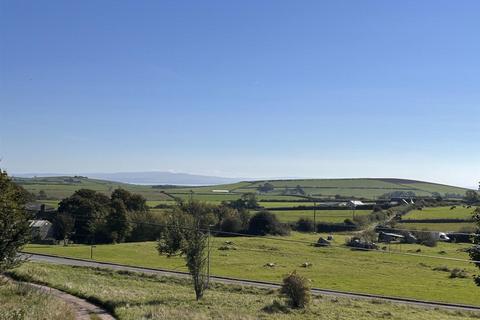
(41, 230)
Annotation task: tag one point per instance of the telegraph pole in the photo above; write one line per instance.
(208, 256)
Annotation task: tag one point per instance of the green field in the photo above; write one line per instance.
(58, 188)
(61, 187)
(442, 227)
(18, 301)
(440, 213)
(335, 267)
(131, 296)
(282, 204)
(332, 216)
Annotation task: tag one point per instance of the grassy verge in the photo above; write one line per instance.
(18, 301)
(335, 267)
(136, 296)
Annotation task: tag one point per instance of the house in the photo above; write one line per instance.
(41, 229)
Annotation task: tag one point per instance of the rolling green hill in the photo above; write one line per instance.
(57, 188)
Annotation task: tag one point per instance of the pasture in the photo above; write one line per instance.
(407, 271)
(442, 227)
(131, 296)
(58, 188)
(331, 216)
(436, 219)
(434, 213)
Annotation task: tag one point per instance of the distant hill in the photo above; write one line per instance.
(147, 178)
(369, 188)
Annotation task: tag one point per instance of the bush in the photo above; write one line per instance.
(296, 289)
(231, 224)
(458, 273)
(264, 222)
(305, 225)
(426, 238)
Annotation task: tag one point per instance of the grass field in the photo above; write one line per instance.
(443, 227)
(273, 205)
(335, 267)
(287, 216)
(134, 296)
(61, 187)
(440, 213)
(18, 301)
(332, 216)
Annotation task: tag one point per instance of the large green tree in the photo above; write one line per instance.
(118, 221)
(90, 210)
(14, 224)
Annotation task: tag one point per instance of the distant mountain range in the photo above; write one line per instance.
(147, 177)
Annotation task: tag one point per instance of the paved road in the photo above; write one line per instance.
(258, 284)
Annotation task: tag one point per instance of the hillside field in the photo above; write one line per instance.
(132, 296)
(436, 219)
(403, 272)
(58, 188)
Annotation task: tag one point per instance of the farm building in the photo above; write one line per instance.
(41, 229)
(355, 203)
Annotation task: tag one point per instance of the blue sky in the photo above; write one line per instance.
(242, 89)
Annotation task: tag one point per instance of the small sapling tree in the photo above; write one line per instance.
(185, 235)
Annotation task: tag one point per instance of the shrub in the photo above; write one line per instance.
(368, 236)
(442, 268)
(458, 273)
(231, 224)
(361, 220)
(305, 225)
(296, 289)
(265, 222)
(276, 307)
(426, 238)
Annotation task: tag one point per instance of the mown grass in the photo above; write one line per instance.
(335, 267)
(18, 301)
(134, 296)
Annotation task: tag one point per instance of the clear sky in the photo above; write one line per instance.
(242, 88)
